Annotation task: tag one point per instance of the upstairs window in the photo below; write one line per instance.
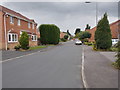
(33, 27)
(18, 22)
(28, 24)
(11, 19)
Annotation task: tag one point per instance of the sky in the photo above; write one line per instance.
(66, 15)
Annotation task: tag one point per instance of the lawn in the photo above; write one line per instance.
(37, 47)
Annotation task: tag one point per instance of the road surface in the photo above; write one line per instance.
(59, 67)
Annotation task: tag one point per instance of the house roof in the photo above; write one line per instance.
(114, 30)
(4, 9)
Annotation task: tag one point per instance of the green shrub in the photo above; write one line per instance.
(49, 34)
(117, 63)
(17, 47)
(63, 39)
(66, 37)
(94, 46)
(85, 40)
(90, 44)
(24, 41)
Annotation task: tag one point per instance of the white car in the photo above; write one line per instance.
(114, 41)
(78, 43)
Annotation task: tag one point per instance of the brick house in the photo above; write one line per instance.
(12, 25)
(114, 31)
(62, 34)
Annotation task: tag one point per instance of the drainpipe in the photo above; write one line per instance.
(5, 31)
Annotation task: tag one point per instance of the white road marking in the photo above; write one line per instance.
(83, 74)
(18, 57)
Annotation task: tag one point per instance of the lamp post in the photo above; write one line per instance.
(96, 11)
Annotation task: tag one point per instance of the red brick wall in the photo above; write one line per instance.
(1, 29)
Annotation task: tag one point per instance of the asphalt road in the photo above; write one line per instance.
(59, 67)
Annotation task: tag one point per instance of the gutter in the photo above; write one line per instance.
(5, 31)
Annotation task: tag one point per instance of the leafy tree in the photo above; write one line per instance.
(77, 31)
(87, 27)
(50, 34)
(24, 41)
(84, 35)
(103, 34)
(66, 37)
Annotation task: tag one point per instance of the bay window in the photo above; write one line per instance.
(34, 38)
(12, 37)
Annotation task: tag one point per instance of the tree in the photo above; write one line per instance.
(84, 35)
(24, 41)
(77, 31)
(87, 27)
(68, 33)
(50, 34)
(66, 37)
(103, 34)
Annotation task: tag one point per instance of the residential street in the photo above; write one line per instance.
(59, 67)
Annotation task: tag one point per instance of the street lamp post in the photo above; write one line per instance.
(96, 11)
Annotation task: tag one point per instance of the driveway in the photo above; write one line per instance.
(59, 67)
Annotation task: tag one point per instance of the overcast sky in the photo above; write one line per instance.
(66, 15)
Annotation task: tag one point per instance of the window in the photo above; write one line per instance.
(11, 19)
(34, 38)
(28, 24)
(19, 22)
(116, 40)
(33, 26)
(12, 37)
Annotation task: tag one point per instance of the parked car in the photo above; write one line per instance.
(78, 43)
(114, 41)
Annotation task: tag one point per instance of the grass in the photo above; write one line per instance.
(113, 49)
(37, 47)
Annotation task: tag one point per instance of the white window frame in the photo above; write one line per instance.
(28, 24)
(33, 37)
(33, 26)
(19, 22)
(11, 19)
(11, 36)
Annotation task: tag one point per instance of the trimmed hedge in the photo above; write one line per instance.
(49, 34)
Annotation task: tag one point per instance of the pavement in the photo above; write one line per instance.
(13, 54)
(99, 72)
(59, 67)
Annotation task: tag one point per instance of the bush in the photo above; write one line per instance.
(17, 47)
(117, 63)
(49, 34)
(24, 41)
(63, 39)
(90, 44)
(66, 37)
(94, 46)
(103, 34)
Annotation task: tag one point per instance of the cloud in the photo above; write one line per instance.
(67, 15)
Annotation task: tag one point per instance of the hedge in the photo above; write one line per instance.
(49, 34)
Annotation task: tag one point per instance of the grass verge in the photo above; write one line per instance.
(37, 47)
